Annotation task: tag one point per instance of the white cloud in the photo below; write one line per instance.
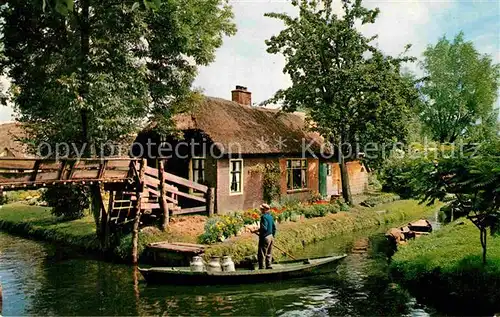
(243, 60)
(6, 112)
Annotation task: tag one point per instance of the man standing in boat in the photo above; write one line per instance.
(267, 231)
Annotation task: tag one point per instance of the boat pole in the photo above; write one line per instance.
(280, 249)
(139, 189)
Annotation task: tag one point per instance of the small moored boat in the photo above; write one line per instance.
(281, 271)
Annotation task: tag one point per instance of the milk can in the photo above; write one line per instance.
(214, 264)
(227, 264)
(196, 264)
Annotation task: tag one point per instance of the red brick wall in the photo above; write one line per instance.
(251, 197)
(312, 180)
(242, 97)
(358, 177)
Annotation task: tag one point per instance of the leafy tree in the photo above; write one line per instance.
(396, 174)
(92, 75)
(353, 93)
(65, 7)
(460, 89)
(473, 182)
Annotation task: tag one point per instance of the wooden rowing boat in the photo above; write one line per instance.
(281, 271)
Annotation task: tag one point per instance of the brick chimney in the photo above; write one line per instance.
(242, 96)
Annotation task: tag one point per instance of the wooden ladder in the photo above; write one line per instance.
(123, 205)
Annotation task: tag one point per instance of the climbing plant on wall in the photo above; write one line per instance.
(271, 182)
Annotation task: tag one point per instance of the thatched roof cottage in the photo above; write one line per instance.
(227, 144)
(10, 143)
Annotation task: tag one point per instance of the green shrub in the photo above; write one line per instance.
(22, 196)
(4, 199)
(68, 202)
(344, 207)
(373, 182)
(380, 199)
(398, 174)
(316, 196)
(318, 210)
(342, 204)
(288, 201)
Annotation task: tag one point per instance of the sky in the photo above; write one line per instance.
(243, 60)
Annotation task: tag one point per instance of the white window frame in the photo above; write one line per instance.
(329, 169)
(292, 190)
(231, 193)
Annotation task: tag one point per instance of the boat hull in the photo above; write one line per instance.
(287, 270)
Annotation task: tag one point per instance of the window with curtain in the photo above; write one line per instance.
(236, 176)
(198, 170)
(296, 173)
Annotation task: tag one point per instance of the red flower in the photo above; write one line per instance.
(320, 202)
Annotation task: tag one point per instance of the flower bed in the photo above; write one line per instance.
(222, 227)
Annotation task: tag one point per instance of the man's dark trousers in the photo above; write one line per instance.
(265, 251)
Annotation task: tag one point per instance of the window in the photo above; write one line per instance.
(235, 176)
(328, 169)
(296, 174)
(198, 170)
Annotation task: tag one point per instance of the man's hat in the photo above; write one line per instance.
(264, 207)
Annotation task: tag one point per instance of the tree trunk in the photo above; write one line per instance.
(95, 205)
(483, 236)
(346, 186)
(84, 73)
(86, 139)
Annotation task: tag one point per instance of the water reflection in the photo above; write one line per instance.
(44, 280)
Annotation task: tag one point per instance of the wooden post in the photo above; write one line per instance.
(163, 195)
(104, 218)
(139, 190)
(211, 201)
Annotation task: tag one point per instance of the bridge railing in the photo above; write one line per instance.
(18, 173)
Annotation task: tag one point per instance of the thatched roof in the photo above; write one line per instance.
(233, 127)
(10, 133)
(255, 130)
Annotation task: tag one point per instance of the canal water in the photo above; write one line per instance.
(43, 279)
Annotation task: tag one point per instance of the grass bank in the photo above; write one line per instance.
(37, 222)
(445, 269)
(292, 236)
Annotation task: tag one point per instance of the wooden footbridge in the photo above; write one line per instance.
(135, 189)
